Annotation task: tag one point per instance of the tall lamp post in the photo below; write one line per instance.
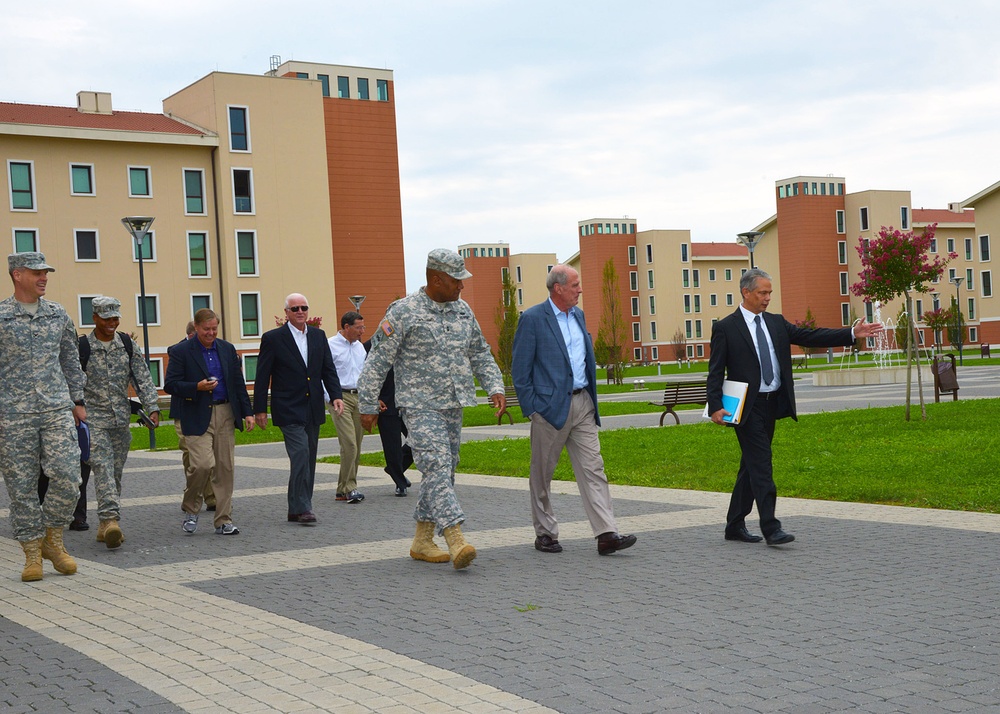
(750, 239)
(138, 227)
(937, 333)
(356, 300)
(957, 280)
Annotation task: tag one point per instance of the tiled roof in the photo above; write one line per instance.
(718, 250)
(43, 115)
(943, 215)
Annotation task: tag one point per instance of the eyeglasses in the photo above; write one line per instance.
(298, 308)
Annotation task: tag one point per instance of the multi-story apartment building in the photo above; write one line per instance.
(259, 186)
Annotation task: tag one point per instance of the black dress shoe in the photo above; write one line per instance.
(400, 490)
(307, 517)
(293, 517)
(779, 537)
(547, 544)
(608, 543)
(742, 534)
(408, 484)
(79, 526)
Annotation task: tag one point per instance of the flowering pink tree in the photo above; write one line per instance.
(897, 263)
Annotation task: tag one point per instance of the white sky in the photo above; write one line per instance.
(517, 119)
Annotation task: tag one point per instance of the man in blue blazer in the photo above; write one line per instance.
(204, 373)
(555, 377)
(295, 364)
(754, 346)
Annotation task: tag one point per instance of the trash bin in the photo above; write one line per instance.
(984, 350)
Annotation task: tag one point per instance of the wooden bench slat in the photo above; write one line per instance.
(681, 393)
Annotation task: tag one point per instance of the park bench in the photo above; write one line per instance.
(945, 378)
(680, 392)
(511, 402)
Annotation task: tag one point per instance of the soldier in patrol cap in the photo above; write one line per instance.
(114, 362)
(434, 342)
(42, 385)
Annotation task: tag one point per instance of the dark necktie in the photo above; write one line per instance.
(766, 370)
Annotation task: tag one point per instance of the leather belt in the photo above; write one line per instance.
(217, 402)
(769, 395)
(577, 391)
(349, 391)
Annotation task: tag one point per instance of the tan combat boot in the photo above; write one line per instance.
(54, 550)
(32, 560)
(424, 548)
(462, 554)
(110, 533)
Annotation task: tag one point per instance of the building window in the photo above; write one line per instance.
(869, 312)
(239, 129)
(729, 299)
(864, 218)
(652, 331)
(194, 192)
(690, 352)
(382, 89)
(86, 303)
(139, 184)
(633, 280)
(654, 354)
(363, 88)
(250, 367)
(22, 185)
(250, 314)
(246, 253)
(972, 309)
(636, 353)
(197, 244)
(973, 334)
(520, 296)
(699, 350)
(933, 246)
(649, 253)
(156, 371)
(841, 223)
(842, 252)
(968, 249)
(697, 303)
(697, 329)
(152, 309)
(843, 283)
(81, 179)
(649, 278)
(984, 248)
(344, 87)
(200, 301)
(687, 329)
(685, 278)
(86, 246)
(904, 218)
(242, 191)
(324, 80)
(25, 240)
(517, 272)
(951, 245)
(729, 274)
(148, 248)
(631, 255)
(687, 303)
(635, 306)
(968, 279)
(711, 275)
(635, 332)
(986, 283)
(713, 300)
(696, 278)
(845, 313)
(920, 309)
(652, 304)
(684, 252)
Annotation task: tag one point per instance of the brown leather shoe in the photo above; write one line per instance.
(608, 543)
(547, 544)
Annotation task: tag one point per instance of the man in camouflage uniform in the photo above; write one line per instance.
(42, 386)
(109, 372)
(434, 342)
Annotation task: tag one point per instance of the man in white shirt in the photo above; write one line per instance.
(349, 357)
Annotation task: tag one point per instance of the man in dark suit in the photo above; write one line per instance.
(555, 377)
(295, 364)
(175, 415)
(391, 430)
(753, 346)
(205, 374)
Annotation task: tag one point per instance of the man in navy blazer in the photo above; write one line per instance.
(753, 346)
(295, 364)
(555, 377)
(205, 375)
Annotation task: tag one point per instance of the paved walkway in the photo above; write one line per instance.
(873, 608)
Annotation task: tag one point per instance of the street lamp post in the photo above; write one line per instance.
(356, 300)
(138, 227)
(937, 333)
(957, 280)
(750, 240)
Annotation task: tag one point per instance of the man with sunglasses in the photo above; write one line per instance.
(294, 361)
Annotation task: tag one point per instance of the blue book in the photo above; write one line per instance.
(734, 396)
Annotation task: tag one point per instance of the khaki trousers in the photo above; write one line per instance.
(349, 434)
(212, 458)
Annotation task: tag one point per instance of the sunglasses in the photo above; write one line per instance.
(298, 308)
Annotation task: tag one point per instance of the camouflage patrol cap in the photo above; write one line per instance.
(28, 261)
(448, 262)
(106, 307)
